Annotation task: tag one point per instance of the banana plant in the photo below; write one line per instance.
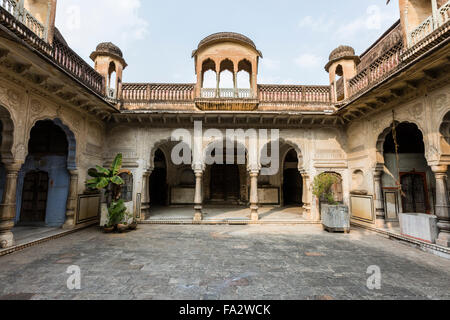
(107, 179)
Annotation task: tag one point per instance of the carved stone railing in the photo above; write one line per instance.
(75, 65)
(433, 22)
(424, 29)
(377, 71)
(157, 92)
(444, 13)
(294, 93)
(226, 93)
(16, 9)
(8, 18)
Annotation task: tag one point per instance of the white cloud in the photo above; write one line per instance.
(85, 23)
(374, 19)
(271, 64)
(321, 24)
(308, 61)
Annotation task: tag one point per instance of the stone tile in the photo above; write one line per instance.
(223, 262)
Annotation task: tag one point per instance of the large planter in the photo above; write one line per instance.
(419, 226)
(335, 218)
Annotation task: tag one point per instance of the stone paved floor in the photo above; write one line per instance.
(224, 262)
(266, 213)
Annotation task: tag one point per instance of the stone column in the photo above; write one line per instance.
(442, 206)
(145, 201)
(198, 201)
(235, 92)
(254, 195)
(379, 198)
(436, 17)
(218, 83)
(8, 205)
(306, 195)
(71, 207)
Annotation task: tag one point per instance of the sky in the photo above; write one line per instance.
(158, 37)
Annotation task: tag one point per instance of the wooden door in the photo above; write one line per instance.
(225, 183)
(34, 197)
(414, 195)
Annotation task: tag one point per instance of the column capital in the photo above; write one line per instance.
(442, 169)
(198, 167)
(198, 173)
(14, 166)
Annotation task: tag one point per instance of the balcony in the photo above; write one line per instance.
(226, 94)
(432, 23)
(17, 10)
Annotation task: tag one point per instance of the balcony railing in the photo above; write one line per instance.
(295, 93)
(16, 9)
(145, 92)
(377, 71)
(75, 65)
(430, 24)
(226, 93)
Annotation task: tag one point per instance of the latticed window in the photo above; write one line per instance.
(127, 187)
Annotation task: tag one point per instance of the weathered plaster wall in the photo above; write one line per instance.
(26, 108)
(366, 136)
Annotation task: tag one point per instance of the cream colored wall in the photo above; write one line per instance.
(426, 110)
(323, 149)
(27, 108)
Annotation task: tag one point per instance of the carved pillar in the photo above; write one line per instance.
(145, 205)
(379, 199)
(218, 83)
(71, 207)
(254, 195)
(8, 205)
(436, 17)
(236, 94)
(198, 201)
(442, 206)
(306, 194)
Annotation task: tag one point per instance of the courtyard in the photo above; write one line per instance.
(281, 262)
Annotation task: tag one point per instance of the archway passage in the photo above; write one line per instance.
(158, 181)
(44, 179)
(34, 197)
(410, 169)
(292, 180)
(292, 187)
(225, 184)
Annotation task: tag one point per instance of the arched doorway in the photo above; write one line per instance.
(44, 179)
(158, 180)
(226, 176)
(408, 173)
(292, 180)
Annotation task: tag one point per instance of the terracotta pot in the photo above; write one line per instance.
(108, 229)
(133, 226)
(122, 227)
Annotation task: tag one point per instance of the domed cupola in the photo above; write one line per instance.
(227, 54)
(109, 62)
(341, 67)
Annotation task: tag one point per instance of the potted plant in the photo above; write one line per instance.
(110, 181)
(335, 216)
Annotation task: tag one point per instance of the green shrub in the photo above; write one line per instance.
(322, 187)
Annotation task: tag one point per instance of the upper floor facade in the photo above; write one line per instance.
(423, 30)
